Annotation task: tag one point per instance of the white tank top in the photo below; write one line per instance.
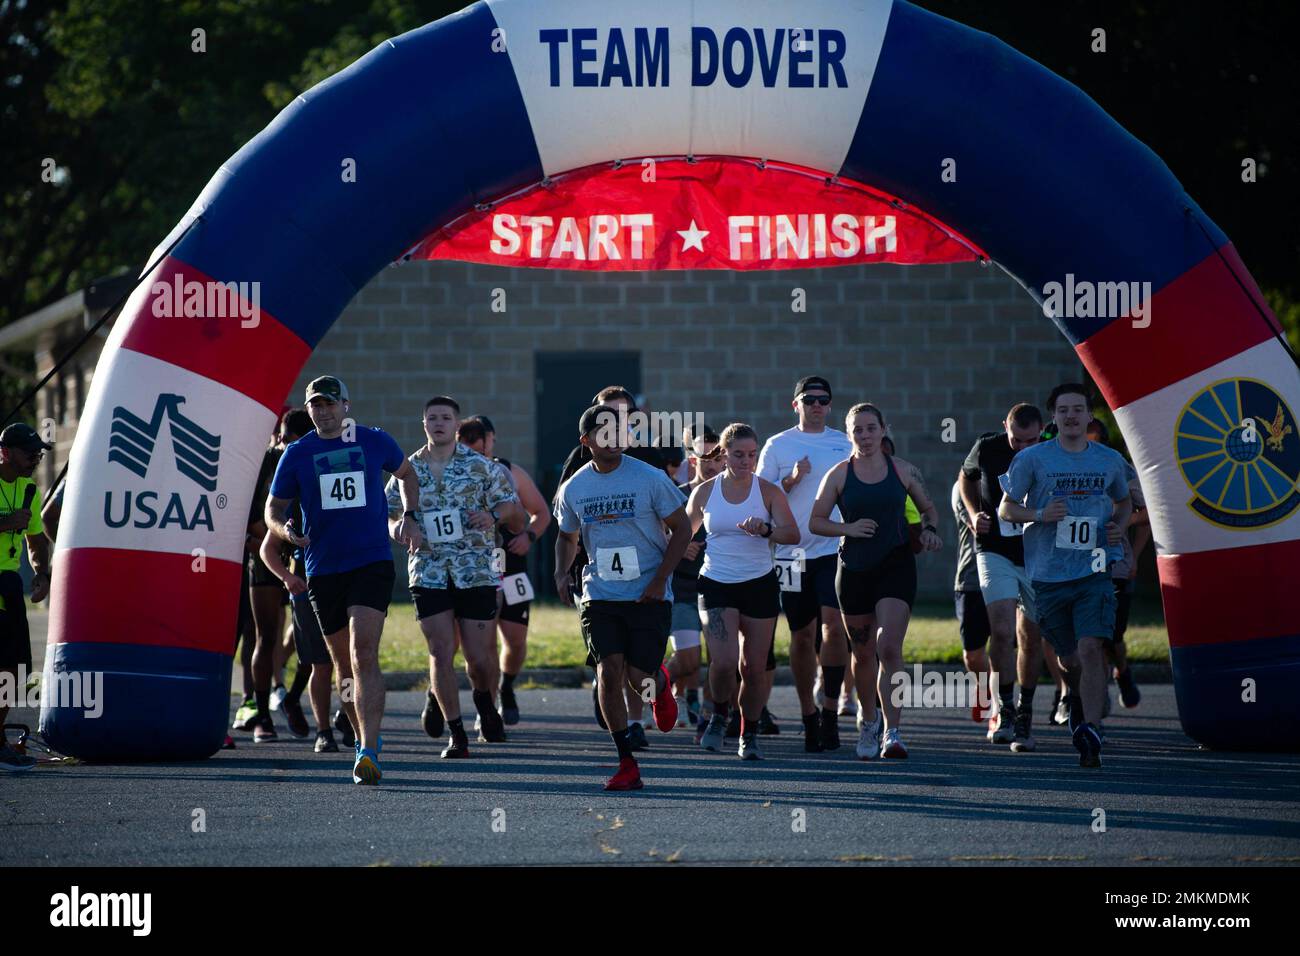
(731, 556)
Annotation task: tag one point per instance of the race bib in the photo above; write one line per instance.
(1076, 533)
(1010, 529)
(343, 490)
(442, 525)
(617, 564)
(789, 574)
(517, 588)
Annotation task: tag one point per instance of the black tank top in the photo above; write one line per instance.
(884, 502)
(514, 562)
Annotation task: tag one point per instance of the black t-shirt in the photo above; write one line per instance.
(686, 576)
(989, 460)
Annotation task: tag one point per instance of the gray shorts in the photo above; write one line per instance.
(686, 621)
(1070, 610)
(1001, 580)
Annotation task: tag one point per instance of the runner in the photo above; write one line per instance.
(798, 458)
(1123, 575)
(972, 619)
(1015, 646)
(684, 665)
(463, 496)
(516, 587)
(619, 506)
(743, 515)
(336, 473)
(876, 578)
(1074, 491)
(21, 450)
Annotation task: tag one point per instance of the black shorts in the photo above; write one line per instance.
(15, 637)
(972, 619)
(259, 575)
(370, 585)
(893, 577)
(308, 640)
(515, 613)
(757, 597)
(466, 604)
(1123, 599)
(637, 630)
(816, 591)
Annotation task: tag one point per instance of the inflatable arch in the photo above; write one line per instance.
(483, 103)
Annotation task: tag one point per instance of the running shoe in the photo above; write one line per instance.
(509, 706)
(278, 694)
(636, 737)
(700, 724)
(1129, 695)
(457, 747)
(245, 715)
(693, 711)
(767, 726)
(1023, 740)
(868, 747)
(819, 699)
(491, 729)
(628, 776)
(1075, 704)
(733, 724)
(683, 715)
(714, 733)
(1061, 710)
(1002, 727)
(366, 769)
(893, 747)
(812, 733)
(431, 718)
(344, 727)
(748, 749)
(264, 732)
(977, 714)
(325, 743)
(1088, 742)
(830, 731)
(848, 703)
(664, 706)
(14, 762)
(595, 704)
(228, 743)
(296, 719)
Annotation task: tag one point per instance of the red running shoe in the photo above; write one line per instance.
(627, 778)
(665, 705)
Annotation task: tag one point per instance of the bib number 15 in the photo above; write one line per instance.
(343, 490)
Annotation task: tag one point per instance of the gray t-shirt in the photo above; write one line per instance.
(968, 576)
(1089, 481)
(620, 515)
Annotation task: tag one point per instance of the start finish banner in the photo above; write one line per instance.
(715, 213)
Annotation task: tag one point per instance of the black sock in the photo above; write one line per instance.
(263, 698)
(832, 681)
(301, 678)
(810, 723)
(721, 709)
(830, 715)
(692, 696)
(1007, 696)
(483, 704)
(622, 743)
(1027, 698)
(507, 682)
(457, 728)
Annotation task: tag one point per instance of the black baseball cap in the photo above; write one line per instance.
(21, 435)
(811, 381)
(487, 423)
(594, 417)
(327, 386)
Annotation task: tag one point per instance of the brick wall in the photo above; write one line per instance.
(924, 343)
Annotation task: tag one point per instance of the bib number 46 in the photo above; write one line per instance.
(343, 490)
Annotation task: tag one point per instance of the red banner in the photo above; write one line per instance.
(706, 214)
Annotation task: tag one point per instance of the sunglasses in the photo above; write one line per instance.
(822, 400)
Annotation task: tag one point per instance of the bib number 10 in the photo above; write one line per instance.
(343, 490)
(1075, 533)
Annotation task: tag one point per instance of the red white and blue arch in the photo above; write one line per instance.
(486, 102)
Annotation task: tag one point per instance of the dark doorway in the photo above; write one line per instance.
(566, 384)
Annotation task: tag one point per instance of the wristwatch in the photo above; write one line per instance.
(410, 514)
(532, 535)
(930, 528)
(1038, 515)
(770, 529)
(493, 513)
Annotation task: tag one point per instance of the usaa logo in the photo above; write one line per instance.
(131, 444)
(1239, 452)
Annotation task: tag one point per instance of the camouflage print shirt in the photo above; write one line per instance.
(451, 548)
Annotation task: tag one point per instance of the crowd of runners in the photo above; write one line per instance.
(704, 549)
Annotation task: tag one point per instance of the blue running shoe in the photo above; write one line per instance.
(366, 769)
(1088, 742)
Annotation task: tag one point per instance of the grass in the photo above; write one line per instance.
(554, 640)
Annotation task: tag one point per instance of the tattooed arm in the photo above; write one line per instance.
(910, 475)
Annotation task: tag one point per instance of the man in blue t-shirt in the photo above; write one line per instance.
(1076, 494)
(337, 474)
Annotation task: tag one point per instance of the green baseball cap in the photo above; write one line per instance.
(327, 386)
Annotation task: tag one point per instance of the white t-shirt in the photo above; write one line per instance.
(825, 450)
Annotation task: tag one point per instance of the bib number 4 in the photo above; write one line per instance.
(617, 564)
